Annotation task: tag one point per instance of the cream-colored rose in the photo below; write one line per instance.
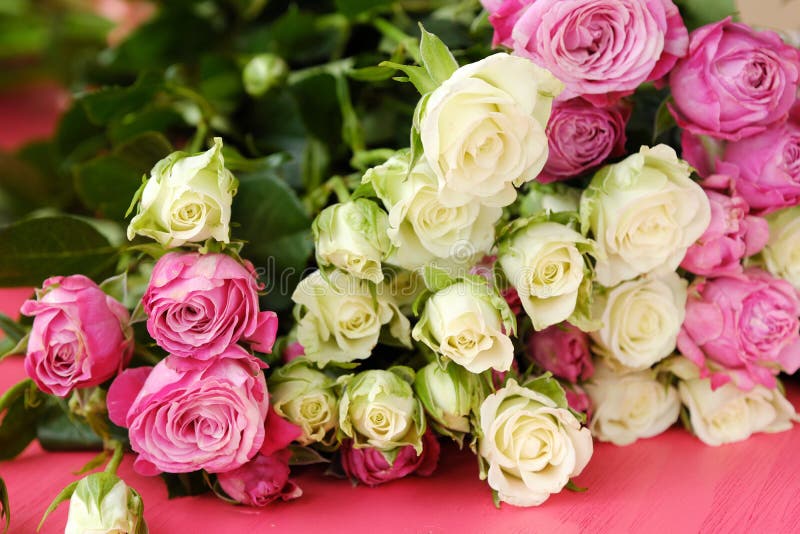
(782, 253)
(352, 237)
(187, 199)
(464, 324)
(378, 409)
(630, 406)
(307, 398)
(423, 226)
(640, 320)
(340, 320)
(483, 129)
(644, 212)
(533, 446)
(103, 504)
(544, 262)
(728, 414)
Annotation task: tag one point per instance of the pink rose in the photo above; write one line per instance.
(735, 81)
(767, 166)
(582, 136)
(701, 152)
(262, 480)
(600, 49)
(199, 304)
(369, 466)
(183, 416)
(731, 235)
(80, 338)
(563, 350)
(293, 350)
(742, 327)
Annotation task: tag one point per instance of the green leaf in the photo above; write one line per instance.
(698, 13)
(64, 495)
(35, 249)
(185, 484)
(58, 430)
(305, 456)
(277, 229)
(112, 102)
(18, 426)
(436, 57)
(12, 330)
(549, 387)
(664, 120)
(352, 8)
(5, 508)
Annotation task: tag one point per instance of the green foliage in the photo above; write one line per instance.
(698, 13)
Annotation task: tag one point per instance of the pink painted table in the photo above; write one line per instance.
(672, 483)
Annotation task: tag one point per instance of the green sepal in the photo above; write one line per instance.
(418, 76)
(549, 387)
(571, 486)
(65, 495)
(436, 57)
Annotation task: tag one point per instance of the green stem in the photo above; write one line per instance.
(332, 67)
(116, 459)
(199, 140)
(390, 31)
(339, 188)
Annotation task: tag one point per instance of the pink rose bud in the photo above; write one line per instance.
(369, 466)
(600, 49)
(184, 415)
(766, 166)
(563, 350)
(742, 328)
(735, 82)
(199, 304)
(581, 137)
(579, 400)
(731, 236)
(262, 480)
(80, 338)
(292, 351)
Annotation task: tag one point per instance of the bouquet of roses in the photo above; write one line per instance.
(536, 266)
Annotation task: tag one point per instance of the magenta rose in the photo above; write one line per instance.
(80, 338)
(582, 136)
(767, 166)
(600, 49)
(563, 350)
(731, 235)
(185, 415)
(735, 82)
(369, 465)
(260, 481)
(742, 328)
(578, 399)
(199, 304)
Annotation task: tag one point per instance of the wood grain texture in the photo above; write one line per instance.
(671, 483)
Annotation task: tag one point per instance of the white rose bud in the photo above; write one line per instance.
(549, 198)
(468, 324)
(423, 227)
(378, 409)
(544, 262)
(448, 395)
(483, 129)
(782, 253)
(187, 199)
(630, 406)
(644, 212)
(306, 397)
(103, 504)
(352, 237)
(641, 320)
(339, 320)
(532, 444)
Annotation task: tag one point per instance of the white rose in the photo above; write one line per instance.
(339, 320)
(641, 320)
(378, 409)
(630, 406)
(728, 414)
(544, 262)
(104, 504)
(644, 212)
(463, 323)
(352, 237)
(307, 398)
(782, 253)
(533, 446)
(187, 199)
(483, 129)
(423, 226)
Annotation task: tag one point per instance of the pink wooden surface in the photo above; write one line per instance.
(671, 483)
